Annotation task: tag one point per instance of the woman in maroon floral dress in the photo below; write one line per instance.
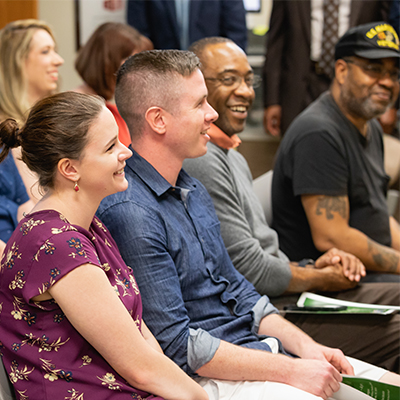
(70, 311)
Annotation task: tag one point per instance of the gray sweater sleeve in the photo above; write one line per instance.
(252, 245)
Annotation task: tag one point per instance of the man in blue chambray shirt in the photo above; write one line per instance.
(205, 315)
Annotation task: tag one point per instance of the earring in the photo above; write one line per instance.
(76, 187)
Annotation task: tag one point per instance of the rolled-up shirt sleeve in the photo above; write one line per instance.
(262, 308)
(201, 348)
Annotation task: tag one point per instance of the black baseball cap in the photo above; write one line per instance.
(373, 40)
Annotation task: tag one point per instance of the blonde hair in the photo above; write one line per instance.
(15, 42)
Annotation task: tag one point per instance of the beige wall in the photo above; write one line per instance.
(60, 14)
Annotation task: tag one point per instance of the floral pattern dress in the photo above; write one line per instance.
(45, 357)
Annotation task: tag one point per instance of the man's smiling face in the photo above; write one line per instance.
(226, 71)
(370, 87)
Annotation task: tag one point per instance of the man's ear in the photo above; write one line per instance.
(341, 71)
(68, 170)
(156, 118)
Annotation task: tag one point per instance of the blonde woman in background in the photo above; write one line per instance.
(29, 66)
(98, 62)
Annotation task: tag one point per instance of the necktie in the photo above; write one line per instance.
(330, 36)
(182, 16)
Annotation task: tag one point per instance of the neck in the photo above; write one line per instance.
(77, 207)
(359, 122)
(34, 97)
(165, 163)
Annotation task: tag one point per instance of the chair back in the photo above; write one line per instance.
(6, 388)
(262, 188)
(393, 199)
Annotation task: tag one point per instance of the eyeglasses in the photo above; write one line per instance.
(377, 71)
(234, 81)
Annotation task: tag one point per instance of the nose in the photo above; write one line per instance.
(211, 114)
(58, 60)
(390, 72)
(125, 152)
(244, 90)
(387, 80)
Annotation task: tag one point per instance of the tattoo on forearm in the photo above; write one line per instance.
(383, 257)
(331, 204)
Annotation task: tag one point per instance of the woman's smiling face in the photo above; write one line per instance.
(41, 66)
(101, 166)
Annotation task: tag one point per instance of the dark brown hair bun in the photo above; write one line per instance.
(9, 136)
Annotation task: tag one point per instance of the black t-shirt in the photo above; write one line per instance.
(324, 153)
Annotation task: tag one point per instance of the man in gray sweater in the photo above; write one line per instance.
(253, 246)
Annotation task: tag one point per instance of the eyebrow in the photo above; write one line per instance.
(47, 45)
(200, 99)
(235, 71)
(371, 60)
(381, 62)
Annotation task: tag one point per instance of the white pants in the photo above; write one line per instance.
(255, 390)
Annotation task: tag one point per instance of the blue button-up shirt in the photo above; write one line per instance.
(192, 294)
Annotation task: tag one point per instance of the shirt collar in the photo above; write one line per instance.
(153, 179)
(221, 139)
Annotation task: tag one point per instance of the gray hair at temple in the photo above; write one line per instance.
(199, 46)
(151, 79)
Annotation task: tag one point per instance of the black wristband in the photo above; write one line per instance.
(306, 261)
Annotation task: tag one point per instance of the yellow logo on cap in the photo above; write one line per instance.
(386, 36)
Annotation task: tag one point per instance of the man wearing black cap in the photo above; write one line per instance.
(329, 186)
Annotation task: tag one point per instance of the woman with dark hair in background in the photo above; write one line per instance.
(99, 59)
(70, 309)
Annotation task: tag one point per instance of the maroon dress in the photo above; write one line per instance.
(45, 357)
